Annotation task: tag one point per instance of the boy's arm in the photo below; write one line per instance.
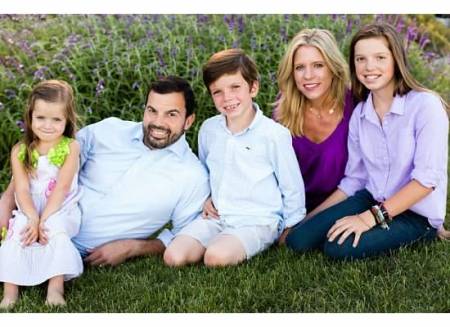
(290, 181)
(64, 181)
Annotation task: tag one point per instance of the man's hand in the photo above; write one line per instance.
(111, 254)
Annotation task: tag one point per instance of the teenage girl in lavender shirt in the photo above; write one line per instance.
(316, 106)
(395, 186)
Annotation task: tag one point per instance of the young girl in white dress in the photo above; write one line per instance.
(45, 166)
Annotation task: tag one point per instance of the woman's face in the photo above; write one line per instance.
(312, 76)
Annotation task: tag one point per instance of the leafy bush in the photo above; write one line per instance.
(110, 59)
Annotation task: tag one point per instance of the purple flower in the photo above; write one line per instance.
(40, 74)
(160, 54)
(99, 88)
(283, 34)
(189, 53)
(230, 22)
(273, 77)
(202, 19)
(25, 47)
(429, 55)
(72, 39)
(253, 44)
(400, 25)
(379, 18)
(240, 24)
(424, 40)
(10, 94)
(348, 30)
(173, 52)
(411, 34)
(135, 85)
(21, 125)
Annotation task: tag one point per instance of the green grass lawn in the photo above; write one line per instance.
(415, 279)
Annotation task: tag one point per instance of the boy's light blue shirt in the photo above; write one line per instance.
(254, 175)
(130, 191)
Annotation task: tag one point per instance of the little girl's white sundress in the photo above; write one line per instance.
(36, 263)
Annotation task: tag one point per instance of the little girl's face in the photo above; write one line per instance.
(374, 63)
(48, 120)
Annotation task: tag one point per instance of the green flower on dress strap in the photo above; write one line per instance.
(34, 155)
(58, 154)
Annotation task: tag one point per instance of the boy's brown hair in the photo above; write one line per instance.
(227, 62)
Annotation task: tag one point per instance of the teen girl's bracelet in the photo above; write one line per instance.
(379, 217)
(386, 215)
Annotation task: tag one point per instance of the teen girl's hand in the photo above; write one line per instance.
(209, 211)
(357, 224)
(31, 232)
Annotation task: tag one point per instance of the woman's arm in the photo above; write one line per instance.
(335, 197)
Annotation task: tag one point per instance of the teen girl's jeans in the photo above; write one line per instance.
(406, 228)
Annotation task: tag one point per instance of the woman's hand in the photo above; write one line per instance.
(357, 224)
(209, 211)
(31, 232)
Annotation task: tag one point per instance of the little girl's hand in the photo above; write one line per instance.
(42, 237)
(30, 233)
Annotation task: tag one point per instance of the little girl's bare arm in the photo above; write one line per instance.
(64, 181)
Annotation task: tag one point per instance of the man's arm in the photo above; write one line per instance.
(116, 252)
(7, 205)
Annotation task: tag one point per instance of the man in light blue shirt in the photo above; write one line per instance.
(137, 177)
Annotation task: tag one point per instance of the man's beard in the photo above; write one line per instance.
(160, 143)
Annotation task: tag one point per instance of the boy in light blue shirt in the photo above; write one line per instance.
(254, 174)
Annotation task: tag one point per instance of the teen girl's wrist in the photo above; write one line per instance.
(368, 218)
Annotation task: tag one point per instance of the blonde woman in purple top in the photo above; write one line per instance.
(316, 105)
(395, 186)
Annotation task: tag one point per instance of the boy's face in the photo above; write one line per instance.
(233, 96)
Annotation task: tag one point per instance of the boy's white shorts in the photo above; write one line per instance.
(255, 239)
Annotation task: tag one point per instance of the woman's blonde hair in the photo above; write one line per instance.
(292, 104)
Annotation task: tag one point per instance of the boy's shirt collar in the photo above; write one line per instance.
(258, 116)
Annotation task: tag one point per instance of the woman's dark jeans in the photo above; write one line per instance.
(406, 228)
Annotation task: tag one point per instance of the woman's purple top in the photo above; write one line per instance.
(322, 165)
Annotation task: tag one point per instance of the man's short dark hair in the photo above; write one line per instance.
(171, 84)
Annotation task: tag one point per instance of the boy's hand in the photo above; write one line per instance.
(209, 211)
